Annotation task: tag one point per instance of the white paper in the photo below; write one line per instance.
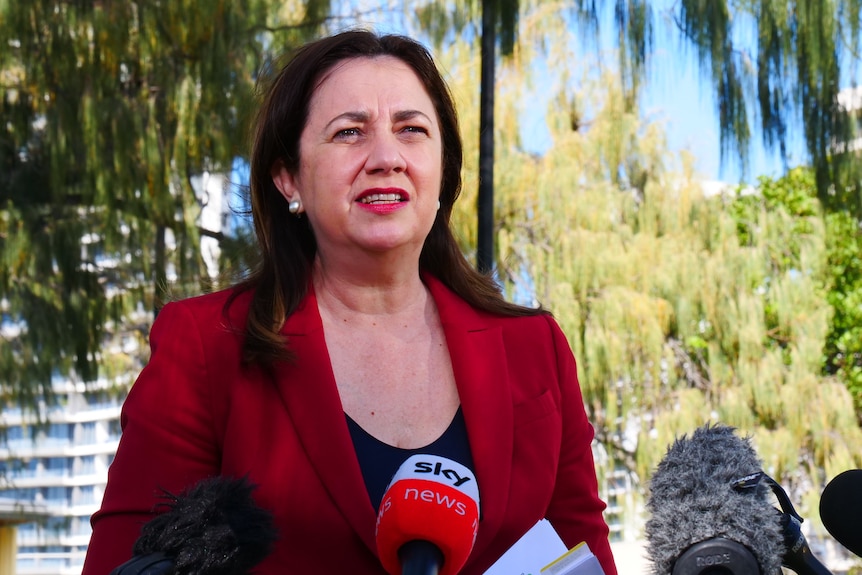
(578, 561)
(538, 547)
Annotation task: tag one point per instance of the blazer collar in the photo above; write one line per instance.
(479, 361)
(478, 357)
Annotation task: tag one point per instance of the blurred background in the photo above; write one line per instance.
(676, 180)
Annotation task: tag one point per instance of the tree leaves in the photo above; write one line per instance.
(790, 73)
(681, 307)
(108, 110)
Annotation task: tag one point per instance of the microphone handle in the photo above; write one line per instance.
(798, 556)
(420, 558)
(806, 563)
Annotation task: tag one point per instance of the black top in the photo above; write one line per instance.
(379, 461)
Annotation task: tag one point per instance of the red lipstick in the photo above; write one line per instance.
(383, 200)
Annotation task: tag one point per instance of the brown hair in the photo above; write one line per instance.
(287, 244)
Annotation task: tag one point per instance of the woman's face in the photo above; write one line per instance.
(370, 159)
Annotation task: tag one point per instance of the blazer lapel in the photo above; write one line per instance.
(310, 395)
(479, 362)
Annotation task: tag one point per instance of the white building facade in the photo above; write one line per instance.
(63, 466)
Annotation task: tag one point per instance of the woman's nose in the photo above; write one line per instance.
(385, 154)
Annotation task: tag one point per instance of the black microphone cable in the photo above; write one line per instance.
(797, 555)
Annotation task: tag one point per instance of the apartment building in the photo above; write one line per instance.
(60, 468)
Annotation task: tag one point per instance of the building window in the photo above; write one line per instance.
(56, 494)
(114, 429)
(18, 469)
(97, 399)
(86, 495)
(19, 494)
(58, 434)
(57, 524)
(57, 466)
(86, 465)
(87, 432)
(17, 436)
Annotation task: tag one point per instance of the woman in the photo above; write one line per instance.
(363, 337)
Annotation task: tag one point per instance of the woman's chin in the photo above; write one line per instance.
(391, 241)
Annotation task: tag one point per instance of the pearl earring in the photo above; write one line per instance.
(438, 205)
(293, 206)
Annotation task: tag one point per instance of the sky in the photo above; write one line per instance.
(678, 96)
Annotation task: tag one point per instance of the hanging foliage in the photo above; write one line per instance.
(681, 308)
(107, 110)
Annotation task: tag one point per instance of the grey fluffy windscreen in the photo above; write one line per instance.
(691, 499)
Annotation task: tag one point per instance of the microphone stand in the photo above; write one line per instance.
(797, 556)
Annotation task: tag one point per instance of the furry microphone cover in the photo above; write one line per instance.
(213, 528)
(692, 499)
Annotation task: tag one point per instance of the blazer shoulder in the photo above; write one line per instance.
(454, 310)
(541, 324)
(224, 309)
(212, 300)
(535, 340)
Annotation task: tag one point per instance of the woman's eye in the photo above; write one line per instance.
(347, 133)
(416, 129)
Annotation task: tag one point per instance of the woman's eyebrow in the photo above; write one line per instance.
(362, 117)
(409, 115)
(352, 116)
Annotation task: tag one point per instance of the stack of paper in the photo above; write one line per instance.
(578, 560)
(540, 546)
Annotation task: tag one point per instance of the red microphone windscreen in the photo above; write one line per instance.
(431, 499)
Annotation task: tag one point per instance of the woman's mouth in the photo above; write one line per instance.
(381, 198)
(383, 201)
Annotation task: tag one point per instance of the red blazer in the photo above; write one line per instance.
(195, 412)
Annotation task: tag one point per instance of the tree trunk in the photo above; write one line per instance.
(160, 274)
(485, 200)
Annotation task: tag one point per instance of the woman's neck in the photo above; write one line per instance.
(359, 292)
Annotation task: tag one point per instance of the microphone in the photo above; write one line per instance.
(710, 513)
(212, 528)
(428, 517)
(840, 506)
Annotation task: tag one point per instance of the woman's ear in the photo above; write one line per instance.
(285, 182)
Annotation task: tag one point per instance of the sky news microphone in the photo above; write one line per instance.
(428, 517)
(710, 510)
(841, 509)
(212, 528)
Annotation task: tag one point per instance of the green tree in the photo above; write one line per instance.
(681, 308)
(499, 27)
(796, 193)
(107, 110)
(772, 66)
(676, 319)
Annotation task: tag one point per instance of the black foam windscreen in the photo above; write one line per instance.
(693, 499)
(213, 528)
(841, 509)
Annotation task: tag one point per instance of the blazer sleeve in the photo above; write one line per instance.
(575, 511)
(168, 440)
